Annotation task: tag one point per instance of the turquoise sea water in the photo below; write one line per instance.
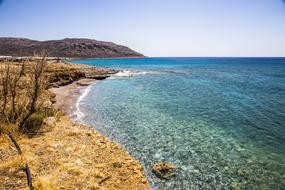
(221, 121)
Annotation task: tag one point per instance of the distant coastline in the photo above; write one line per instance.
(65, 48)
(134, 57)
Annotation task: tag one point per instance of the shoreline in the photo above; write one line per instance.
(68, 97)
(131, 57)
(65, 154)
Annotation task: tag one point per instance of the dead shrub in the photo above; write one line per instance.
(21, 89)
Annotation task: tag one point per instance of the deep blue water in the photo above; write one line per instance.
(221, 121)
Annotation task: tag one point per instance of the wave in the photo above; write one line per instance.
(78, 113)
(128, 73)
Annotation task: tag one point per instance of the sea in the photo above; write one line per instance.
(221, 121)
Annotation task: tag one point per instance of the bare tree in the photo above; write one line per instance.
(19, 95)
(14, 95)
(5, 78)
(36, 90)
(14, 88)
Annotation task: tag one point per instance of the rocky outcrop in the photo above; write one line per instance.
(68, 47)
(164, 170)
(60, 74)
(100, 77)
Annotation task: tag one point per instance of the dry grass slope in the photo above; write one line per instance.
(64, 154)
(70, 156)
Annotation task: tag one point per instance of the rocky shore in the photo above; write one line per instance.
(65, 154)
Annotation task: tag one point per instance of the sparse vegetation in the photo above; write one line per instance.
(34, 122)
(64, 155)
(20, 92)
(21, 88)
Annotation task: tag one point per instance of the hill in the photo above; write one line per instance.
(68, 47)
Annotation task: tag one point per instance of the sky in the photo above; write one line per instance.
(188, 28)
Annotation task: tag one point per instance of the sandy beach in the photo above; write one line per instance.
(67, 96)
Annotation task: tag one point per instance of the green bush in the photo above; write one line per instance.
(34, 123)
(48, 112)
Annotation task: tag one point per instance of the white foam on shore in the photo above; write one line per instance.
(128, 73)
(78, 113)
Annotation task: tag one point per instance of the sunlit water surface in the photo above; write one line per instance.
(221, 121)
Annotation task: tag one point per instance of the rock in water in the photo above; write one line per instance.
(164, 170)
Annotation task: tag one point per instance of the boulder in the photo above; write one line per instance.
(164, 170)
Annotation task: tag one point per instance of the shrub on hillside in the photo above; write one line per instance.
(34, 123)
(21, 90)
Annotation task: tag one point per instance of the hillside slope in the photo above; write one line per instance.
(68, 47)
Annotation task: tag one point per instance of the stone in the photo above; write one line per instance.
(234, 186)
(49, 121)
(99, 77)
(55, 85)
(82, 84)
(249, 161)
(47, 104)
(164, 170)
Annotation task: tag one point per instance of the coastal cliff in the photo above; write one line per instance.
(68, 47)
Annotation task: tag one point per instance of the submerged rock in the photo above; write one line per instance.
(164, 170)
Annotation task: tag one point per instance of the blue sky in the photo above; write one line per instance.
(155, 27)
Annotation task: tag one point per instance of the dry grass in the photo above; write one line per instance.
(11, 165)
(73, 156)
(67, 155)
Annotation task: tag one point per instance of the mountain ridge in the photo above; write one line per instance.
(67, 47)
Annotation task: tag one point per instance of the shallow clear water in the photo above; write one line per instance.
(221, 121)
